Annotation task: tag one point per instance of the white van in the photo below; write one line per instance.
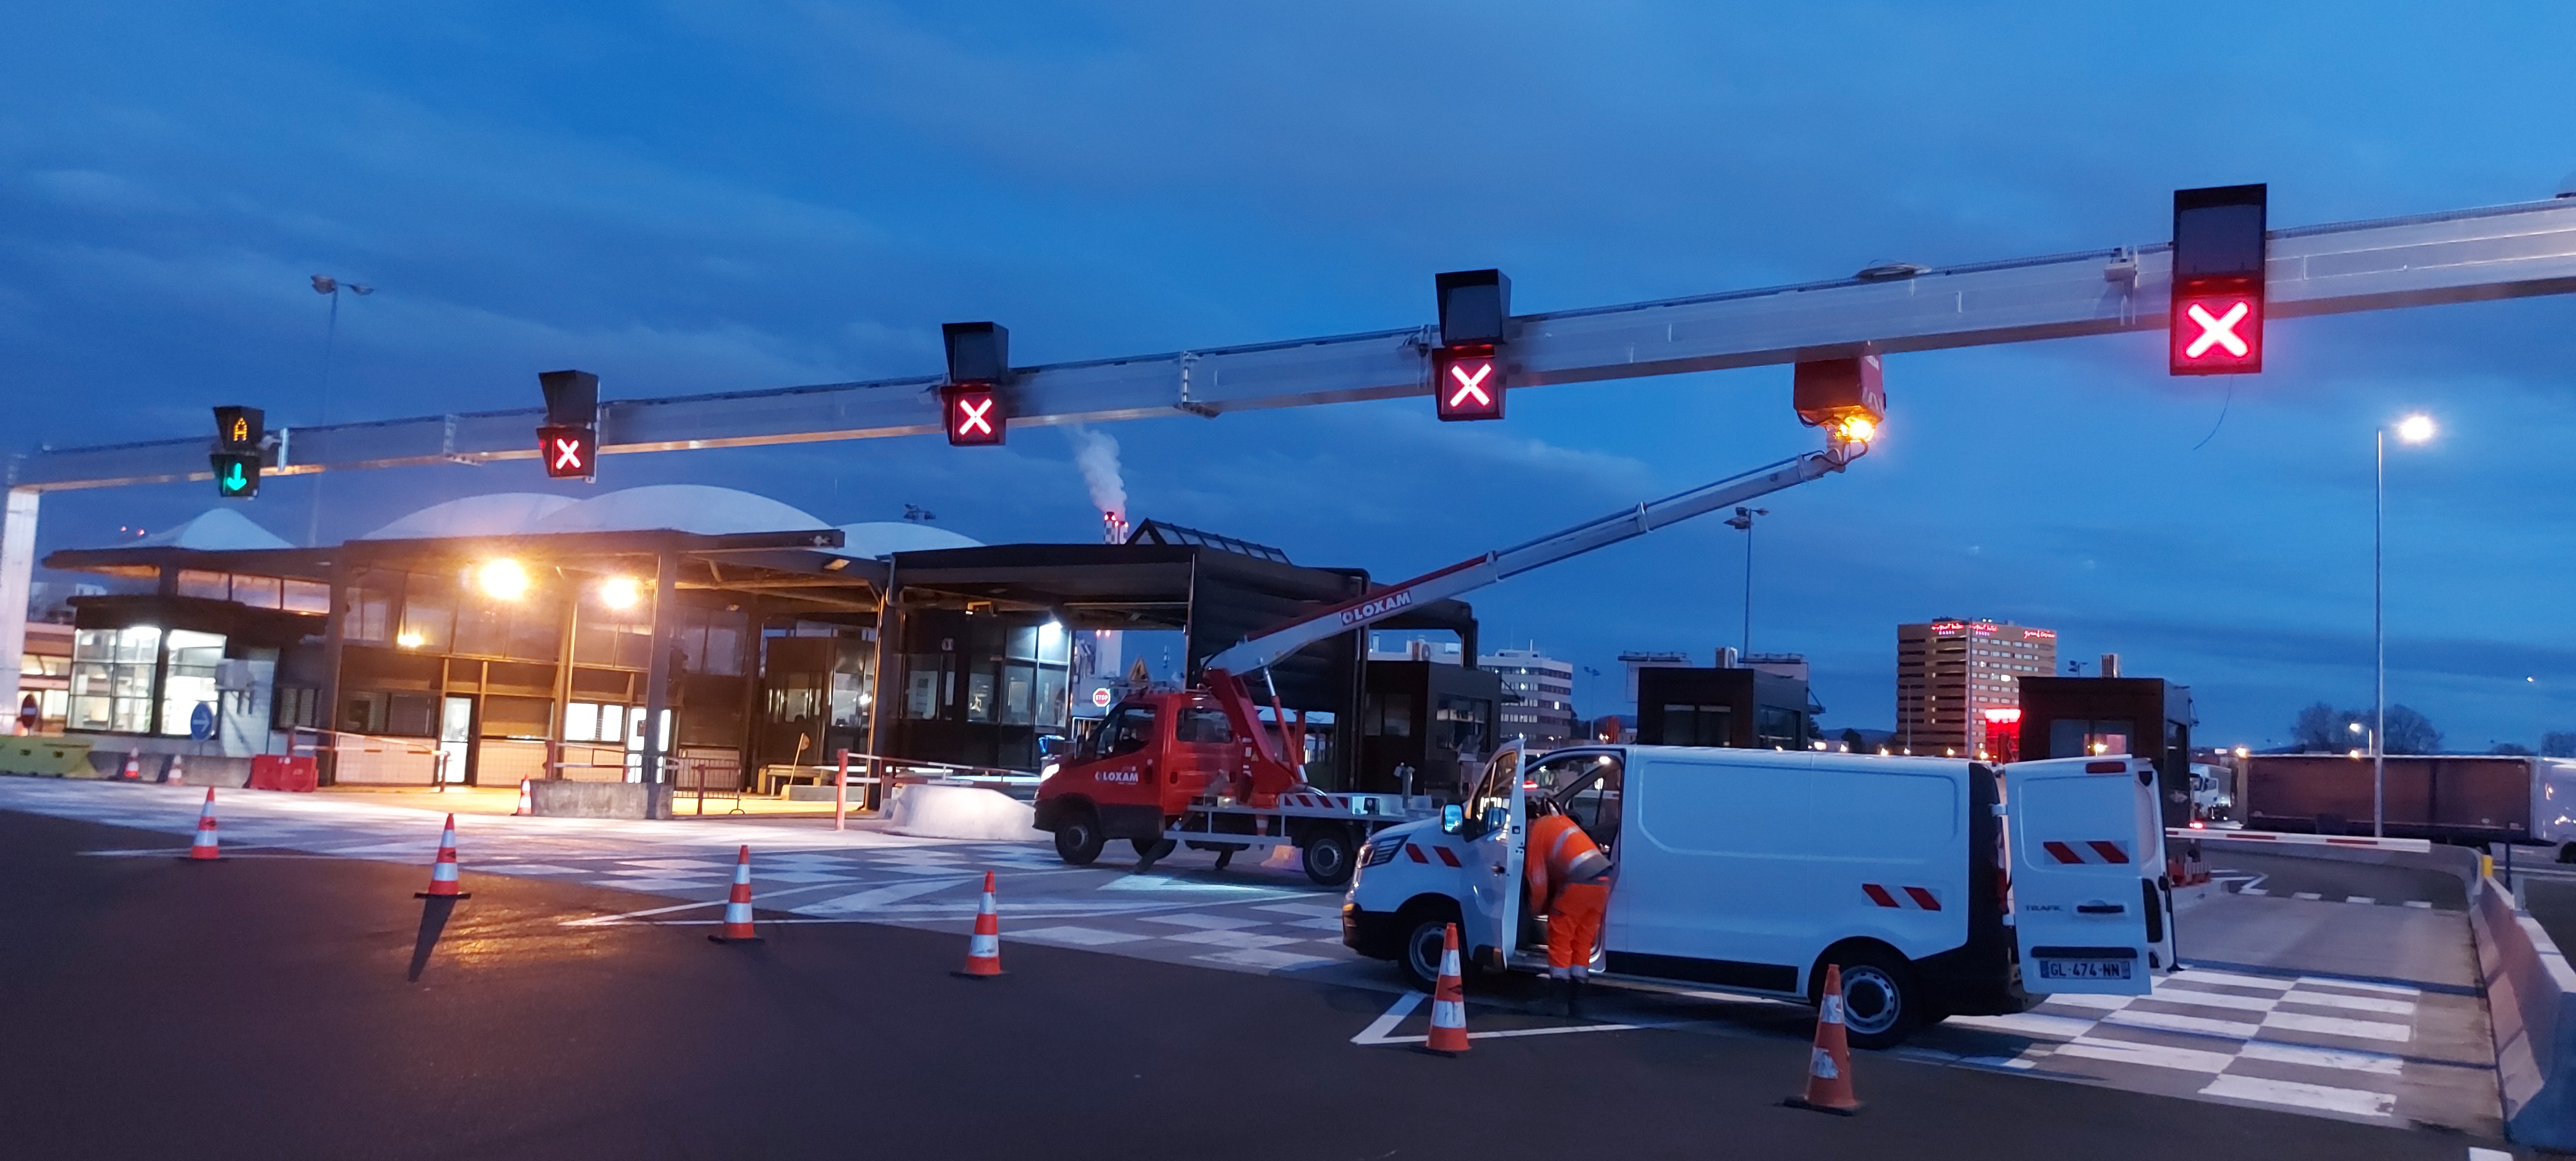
(1750, 870)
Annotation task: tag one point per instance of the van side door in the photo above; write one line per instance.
(2087, 843)
(1493, 814)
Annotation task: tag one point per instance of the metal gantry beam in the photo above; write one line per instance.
(2461, 256)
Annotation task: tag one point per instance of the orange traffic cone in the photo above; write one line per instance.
(203, 850)
(178, 770)
(1829, 1086)
(1448, 1003)
(133, 771)
(442, 873)
(984, 948)
(737, 913)
(527, 800)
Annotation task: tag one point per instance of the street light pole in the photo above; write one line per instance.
(2412, 429)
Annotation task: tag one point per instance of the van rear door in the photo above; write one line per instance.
(2087, 849)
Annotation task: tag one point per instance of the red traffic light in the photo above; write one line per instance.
(568, 451)
(1467, 382)
(973, 414)
(2217, 333)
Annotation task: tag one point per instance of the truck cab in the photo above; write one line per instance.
(1752, 870)
(1152, 755)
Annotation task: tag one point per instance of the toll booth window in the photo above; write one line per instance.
(1019, 694)
(1699, 725)
(1131, 730)
(111, 686)
(190, 682)
(2074, 738)
(979, 697)
(1204, 726)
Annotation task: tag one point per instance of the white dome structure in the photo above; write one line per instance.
(692, 508)
(498, 514)
(214, 530)
(884, 538)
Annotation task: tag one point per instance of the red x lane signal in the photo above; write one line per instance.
(974, 414)
(2217, 334)
(568, 451)
(1468, 382)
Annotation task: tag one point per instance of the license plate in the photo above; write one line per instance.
(2084, 969)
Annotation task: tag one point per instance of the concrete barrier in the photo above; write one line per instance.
(2531, 1005)
(559, 798)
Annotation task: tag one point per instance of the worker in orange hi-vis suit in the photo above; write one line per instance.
(1569, 882)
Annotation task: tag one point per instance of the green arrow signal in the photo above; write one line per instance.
(234, 480)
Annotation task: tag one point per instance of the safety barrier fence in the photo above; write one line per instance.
(2531, 1008)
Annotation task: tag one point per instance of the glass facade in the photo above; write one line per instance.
(112, 679)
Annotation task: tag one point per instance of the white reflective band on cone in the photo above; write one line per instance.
(1833, 1009)
(737, 913)
(982, 946)
(1448, 1014)
(442, 872)
(1823, 1065)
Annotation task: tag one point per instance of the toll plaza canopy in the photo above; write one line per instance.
(507, 637)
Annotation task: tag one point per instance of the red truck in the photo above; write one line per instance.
(1186, 767)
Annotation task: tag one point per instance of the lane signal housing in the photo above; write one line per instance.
(568, 442)
(238, 434)
(1468, 375)
(974, 405)
(2218, 270)
(1847, 397)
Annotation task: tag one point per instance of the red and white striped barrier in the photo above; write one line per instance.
(2409, 845)
(2095, 851)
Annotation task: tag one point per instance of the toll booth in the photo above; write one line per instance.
(2073, 717)
(1738, 707)
(1438, 719)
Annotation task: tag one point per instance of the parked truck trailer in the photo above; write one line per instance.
(2445, 798)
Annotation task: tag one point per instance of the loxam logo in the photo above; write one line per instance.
(1377, 606)
(1126, 776)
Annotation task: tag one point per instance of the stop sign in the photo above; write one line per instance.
(1100, 697)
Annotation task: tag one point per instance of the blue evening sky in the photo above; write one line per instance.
(688, 197)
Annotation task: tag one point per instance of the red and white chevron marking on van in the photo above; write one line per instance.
(1903, 898)
(1446, 855)
(2090, 851)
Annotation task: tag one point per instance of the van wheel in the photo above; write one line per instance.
(1077, 837)
(1329, 857)
(1881, 1005)
(1424, 940)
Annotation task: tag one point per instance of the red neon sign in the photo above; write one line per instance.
(974, 414)
(1468, 382)
(567, 451)
(2217, 333)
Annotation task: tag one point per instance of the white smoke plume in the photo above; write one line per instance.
(1097, 455)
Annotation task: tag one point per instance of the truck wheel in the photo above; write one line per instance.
(1329, 857)
(1077, 837)
(1424, 939)
(1881, 1006)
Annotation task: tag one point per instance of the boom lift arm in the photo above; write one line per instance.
(1274, 773)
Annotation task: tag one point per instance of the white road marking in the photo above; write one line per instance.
(2427, 905)
(1244, 940)
(2478, 1154)
(2253, 891)
(2233, 980)
(2305, 895)
(2335, 1026)
(2169, 1022)
(876, 898)
(1079, 936)
(2360, 899)
(2352, 1003)
(1265, 959)
(2089, 1000)
(2361, 985)
(1376, 1032)
(1205, 922)
(1307, 910)
(2151, 1055)
(2374, 1063)
(2202, 999)
(2307, 1096)
(2035, 1024)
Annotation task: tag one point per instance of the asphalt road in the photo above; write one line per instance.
(2287, 877)
(260, 1007)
